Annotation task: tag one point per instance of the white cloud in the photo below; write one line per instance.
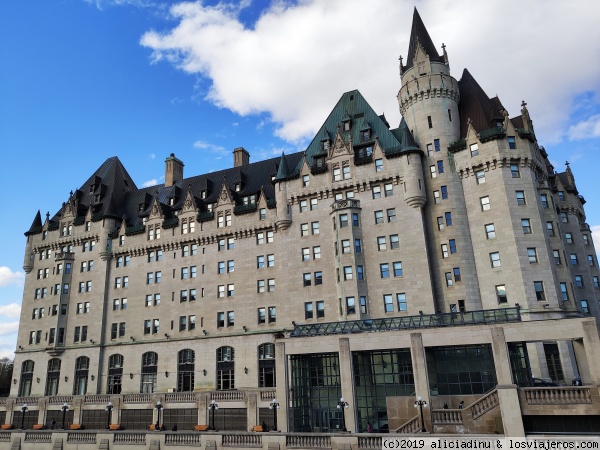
(12, 310)
(151, 156)
(218, 150)
(7, 277)
(586, 129)
(152, 182)
(596, 237)
(8, 328)
(296, 61)
(10, 354)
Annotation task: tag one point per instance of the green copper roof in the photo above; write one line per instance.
(283, 172)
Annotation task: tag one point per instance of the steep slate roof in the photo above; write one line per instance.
(36, 225)
(352, 105)
(477, 106)
(418, 33)
(405, 137)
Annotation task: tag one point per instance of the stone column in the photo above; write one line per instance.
(76, 406)
(567, 361)
(419, 366)
(115, 415)
(587, 352)
(202, 403)
(42, 410)
(10, 407)
(508, 396)
(252, 416)
(282, 386)
(347, 383)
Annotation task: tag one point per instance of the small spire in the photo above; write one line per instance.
(400, 59)
(445, 54)
(567, 163)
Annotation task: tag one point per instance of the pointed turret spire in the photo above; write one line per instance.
(407, 141)
(419, 35)
(283, 173)
(36, 225)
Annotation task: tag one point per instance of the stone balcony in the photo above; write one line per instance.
(572, 400)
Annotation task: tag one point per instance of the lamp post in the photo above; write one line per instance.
(420, 403)
(274, 406)
(343, 404)
(65, 408)
(108, 408)
(159, 407)
(24, 409)
(212, 408)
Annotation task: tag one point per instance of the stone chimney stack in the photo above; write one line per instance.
(173, 170)
(240, 157)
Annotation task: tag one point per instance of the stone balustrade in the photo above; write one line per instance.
(180, 397)
(242, 440)
(192, 440)
(97, 399)
(567, 395)
(370, 442)
(268, 395)
(484, 404)
(446, 416)
(28, 400)
(231, 396)
(82, 437)
(130, 438)
(137, 398)
(60, 399)
(307, 441)
(5, 436)
(412, 426)
(38, 437)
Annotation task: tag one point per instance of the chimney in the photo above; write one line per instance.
(173, 170)
(240, 157)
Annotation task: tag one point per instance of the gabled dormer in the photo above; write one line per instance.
(144, 203)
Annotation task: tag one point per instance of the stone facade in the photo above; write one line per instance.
(452, 230)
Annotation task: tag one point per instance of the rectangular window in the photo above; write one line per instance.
(490, 231)
(303, 204)
(378, 217)
(221, 291)
(220, 319)
(184, 273)
(440, 223)
(564, 292)
(540, 295)
(550, 228)
(561, 196)
(260, 286)
(532, 255)
(511, 143)
(440, 166)
(307, 279)
(394, 241)
(381, 245)
(346, 246)
(429, 149)
(556, 255)
(401, 302)
(526, 225)
(350, 305)
(436, 197)
(432, 172)
(113, 330)
(261, 312)
(230, 318)
(574, 259)
(579, 281)
(569, 238)
(485, 203)
(585, 239)
(271, 284)
(444, 191)
(389, 189)
(495, 259)
(445, 253)
(449, 281)
(544, 199)
(315, 227)
(183, 296)
(343, 220)
(480, 176)
(317, 252)
(308, 310)
(457, 276)
(230, 290)
(262, 214)
(360, 275)
(501, 293)
(305, 180)
(452, 244)
(388, 303)
(436, 144)
(318, 278)
(520, 195)
(272, 314)
(397, 268)
(376, 191)
(357, 246)
(429, 122)
(448, 217)
(391, 214)
(378, 165)
(596, 281)
(474, 149)
(384, 270)
(514, 170)
(563, 217)
(584, 307)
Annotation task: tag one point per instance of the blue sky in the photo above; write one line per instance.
(84, 80)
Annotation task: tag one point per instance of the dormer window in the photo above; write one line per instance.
(142, 207)
(97, 198)
(209, 207)
(499, 124)
(325, 145)
(250, 200)
(92, 188)
(320, 162)
(366, 135)
(238, 187)
(347, 125)
(203, 194)
(171, 201)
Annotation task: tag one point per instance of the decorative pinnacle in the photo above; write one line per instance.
(443, 46)
(567, 163)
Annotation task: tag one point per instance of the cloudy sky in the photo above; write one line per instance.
(84, 80)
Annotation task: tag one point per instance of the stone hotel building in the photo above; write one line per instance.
(444, 258)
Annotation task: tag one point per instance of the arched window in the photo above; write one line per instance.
(52, 377)
(149, 369)
(185, 370)
(115, 374)
(26, 378)
(266, 365)
(225, 368)
(82, 365)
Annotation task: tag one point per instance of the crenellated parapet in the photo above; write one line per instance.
(426, 87)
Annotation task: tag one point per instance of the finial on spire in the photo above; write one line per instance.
(523, 105)
(567, 163)
(47, 215)
(445, 54)
(400, 59)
